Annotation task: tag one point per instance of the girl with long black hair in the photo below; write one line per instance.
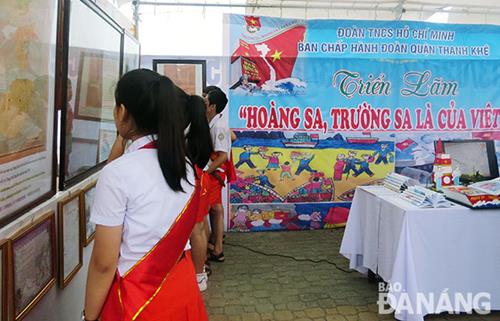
(147, 203)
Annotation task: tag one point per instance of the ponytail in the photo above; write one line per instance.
(198, 139)
(170, 144)
(154, 104)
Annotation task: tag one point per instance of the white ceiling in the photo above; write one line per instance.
(455, 11)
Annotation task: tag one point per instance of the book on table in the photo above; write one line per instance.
(472, 197)
(491, 186)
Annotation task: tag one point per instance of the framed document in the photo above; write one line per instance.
(4, 278)
(33, 257)
(96, 84)
(91, 74)
(131, 53)
(69, 218)
(87, 200)
(106, 139)
(190, 75)
(27, 104)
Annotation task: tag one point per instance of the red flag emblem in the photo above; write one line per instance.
(405, 144)
(273, 57)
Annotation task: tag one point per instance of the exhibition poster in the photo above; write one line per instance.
(27, 85)
(323, 106)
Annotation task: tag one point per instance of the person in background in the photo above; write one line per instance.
(147, 203)
(221, 136)
(200, 148)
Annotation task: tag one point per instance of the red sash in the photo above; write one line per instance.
(131, 293)
(227, 167)
(230, 169)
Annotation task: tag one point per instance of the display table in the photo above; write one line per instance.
(426, 251)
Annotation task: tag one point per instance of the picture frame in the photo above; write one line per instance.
(4, 278)
(86, 200)
(188, 74)
(95, 86)
(33, 255)
(70, 244)
(482, 165)
(106, 139)
(131, 53)
(28, 155)
(89, 75)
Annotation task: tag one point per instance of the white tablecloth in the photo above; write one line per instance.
(454, 250)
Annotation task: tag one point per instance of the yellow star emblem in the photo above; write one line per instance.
(276, 55)
(253, 21)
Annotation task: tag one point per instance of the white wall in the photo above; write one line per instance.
(182, 31)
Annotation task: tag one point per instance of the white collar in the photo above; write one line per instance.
(215, 120)
(139, 142)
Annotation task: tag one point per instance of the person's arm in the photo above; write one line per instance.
(118, 148)
(102, 268)
(221, 138)
(233, 136)
(108, 213)
(217, 162)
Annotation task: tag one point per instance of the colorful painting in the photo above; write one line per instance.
(296, 167)
(275, 217)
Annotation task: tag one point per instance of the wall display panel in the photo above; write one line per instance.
(93, 70)
(87, 200)
(27, 87)
(33, 255)
(189, 75)
(4, 280)
(476, 159)
(69, 221)
(131, 53)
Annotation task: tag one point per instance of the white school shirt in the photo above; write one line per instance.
(132, 192)
(221, 136)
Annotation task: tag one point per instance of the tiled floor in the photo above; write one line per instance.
(251, 286)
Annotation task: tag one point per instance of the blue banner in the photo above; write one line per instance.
(282, 80)
(344, 102)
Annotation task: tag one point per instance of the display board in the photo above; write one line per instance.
(93, 70)
(131, 53)
(190, 75)
(27, 87)
(323, 106)
(473, 157)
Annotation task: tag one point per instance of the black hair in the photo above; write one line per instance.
(153, 103)
(208, 89)
(219, 98)
(198, 139)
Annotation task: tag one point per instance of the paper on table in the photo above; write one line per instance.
(377, 190)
